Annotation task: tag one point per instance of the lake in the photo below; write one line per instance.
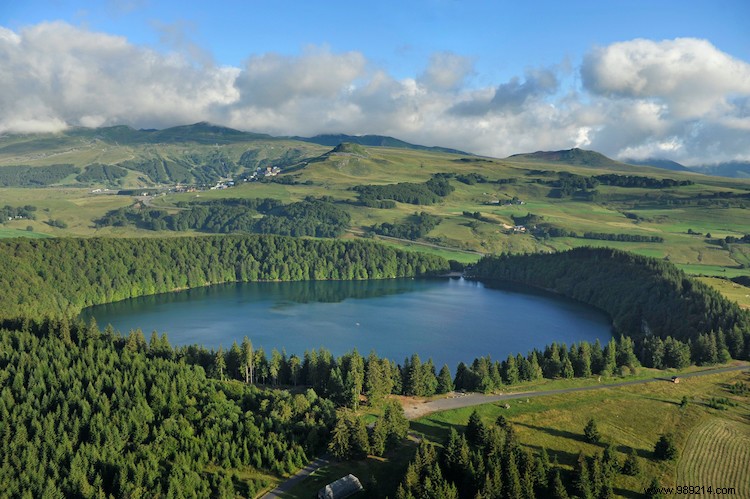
(450, 320)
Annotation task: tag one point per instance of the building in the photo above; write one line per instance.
(343, 487)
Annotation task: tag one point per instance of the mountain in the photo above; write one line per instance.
(333, 140)
(664, 164)
(573, 157)
(732, 169)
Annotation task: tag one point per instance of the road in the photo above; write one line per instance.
(414, 411)
(417, 410)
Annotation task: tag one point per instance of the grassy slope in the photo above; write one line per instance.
(633, 416)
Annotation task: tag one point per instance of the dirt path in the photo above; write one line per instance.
(416, 409)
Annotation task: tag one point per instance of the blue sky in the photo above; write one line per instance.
(486, 76)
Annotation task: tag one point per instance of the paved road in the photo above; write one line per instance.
(418, 410)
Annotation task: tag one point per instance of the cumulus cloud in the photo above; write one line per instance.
(446, 71)
(510, 96)
(57, 73)
(691, 76)
(272, 80)
(683, 99)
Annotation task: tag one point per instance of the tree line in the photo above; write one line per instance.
(428, 192)
(35, 176)
(54, 277)
(644, 296)
(552, 231)
(414, 227)
(8, 212)
(310, 217)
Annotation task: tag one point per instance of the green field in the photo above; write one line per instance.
(717, 454)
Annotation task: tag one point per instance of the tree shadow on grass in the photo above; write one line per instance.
(557, 433)
(438, 431)
(563, 457)
(627, 493)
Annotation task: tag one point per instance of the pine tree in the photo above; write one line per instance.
(631, 466)
(557, 489)
(582, 481)
(445, 382)
(665, 447)
(247, 359)
(511, 478)
(475, 429)
(510, 371)
(220, 362)
(591, 432)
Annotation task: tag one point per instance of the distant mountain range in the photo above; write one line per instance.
(664, 164)
(333, 140)
(732, 169)
(208, 134)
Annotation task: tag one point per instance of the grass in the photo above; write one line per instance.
(9, 232)
(379, 476)
(629, 417)
(717, 454)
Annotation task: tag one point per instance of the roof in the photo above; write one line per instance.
(343, 487)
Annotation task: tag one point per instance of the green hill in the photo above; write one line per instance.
(373, 141)
(573, 157)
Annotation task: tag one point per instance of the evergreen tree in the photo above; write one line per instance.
(535, 370)
(510, 371)
(591, 432)
(665, 448)
(511, 478)
(475, 429)
(557, 489)
(582, 481)
(220, 362)
(247, 359)
(445, 382)
(631, 466)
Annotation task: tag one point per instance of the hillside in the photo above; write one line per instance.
(664, 164)
(573, 157)
(373, 141)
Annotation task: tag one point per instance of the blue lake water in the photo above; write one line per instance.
(449, 320)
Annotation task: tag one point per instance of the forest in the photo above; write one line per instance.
(316, 217)
(429, 192)
(53, 277)
(416, 226)
(34, 176)
(83, 414)
(643, 296)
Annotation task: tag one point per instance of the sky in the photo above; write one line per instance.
(628, 78)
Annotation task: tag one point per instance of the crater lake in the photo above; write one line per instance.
(448, 320)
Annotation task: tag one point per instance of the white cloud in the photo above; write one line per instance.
(446, 71)
(682, 98)
(691, 76)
